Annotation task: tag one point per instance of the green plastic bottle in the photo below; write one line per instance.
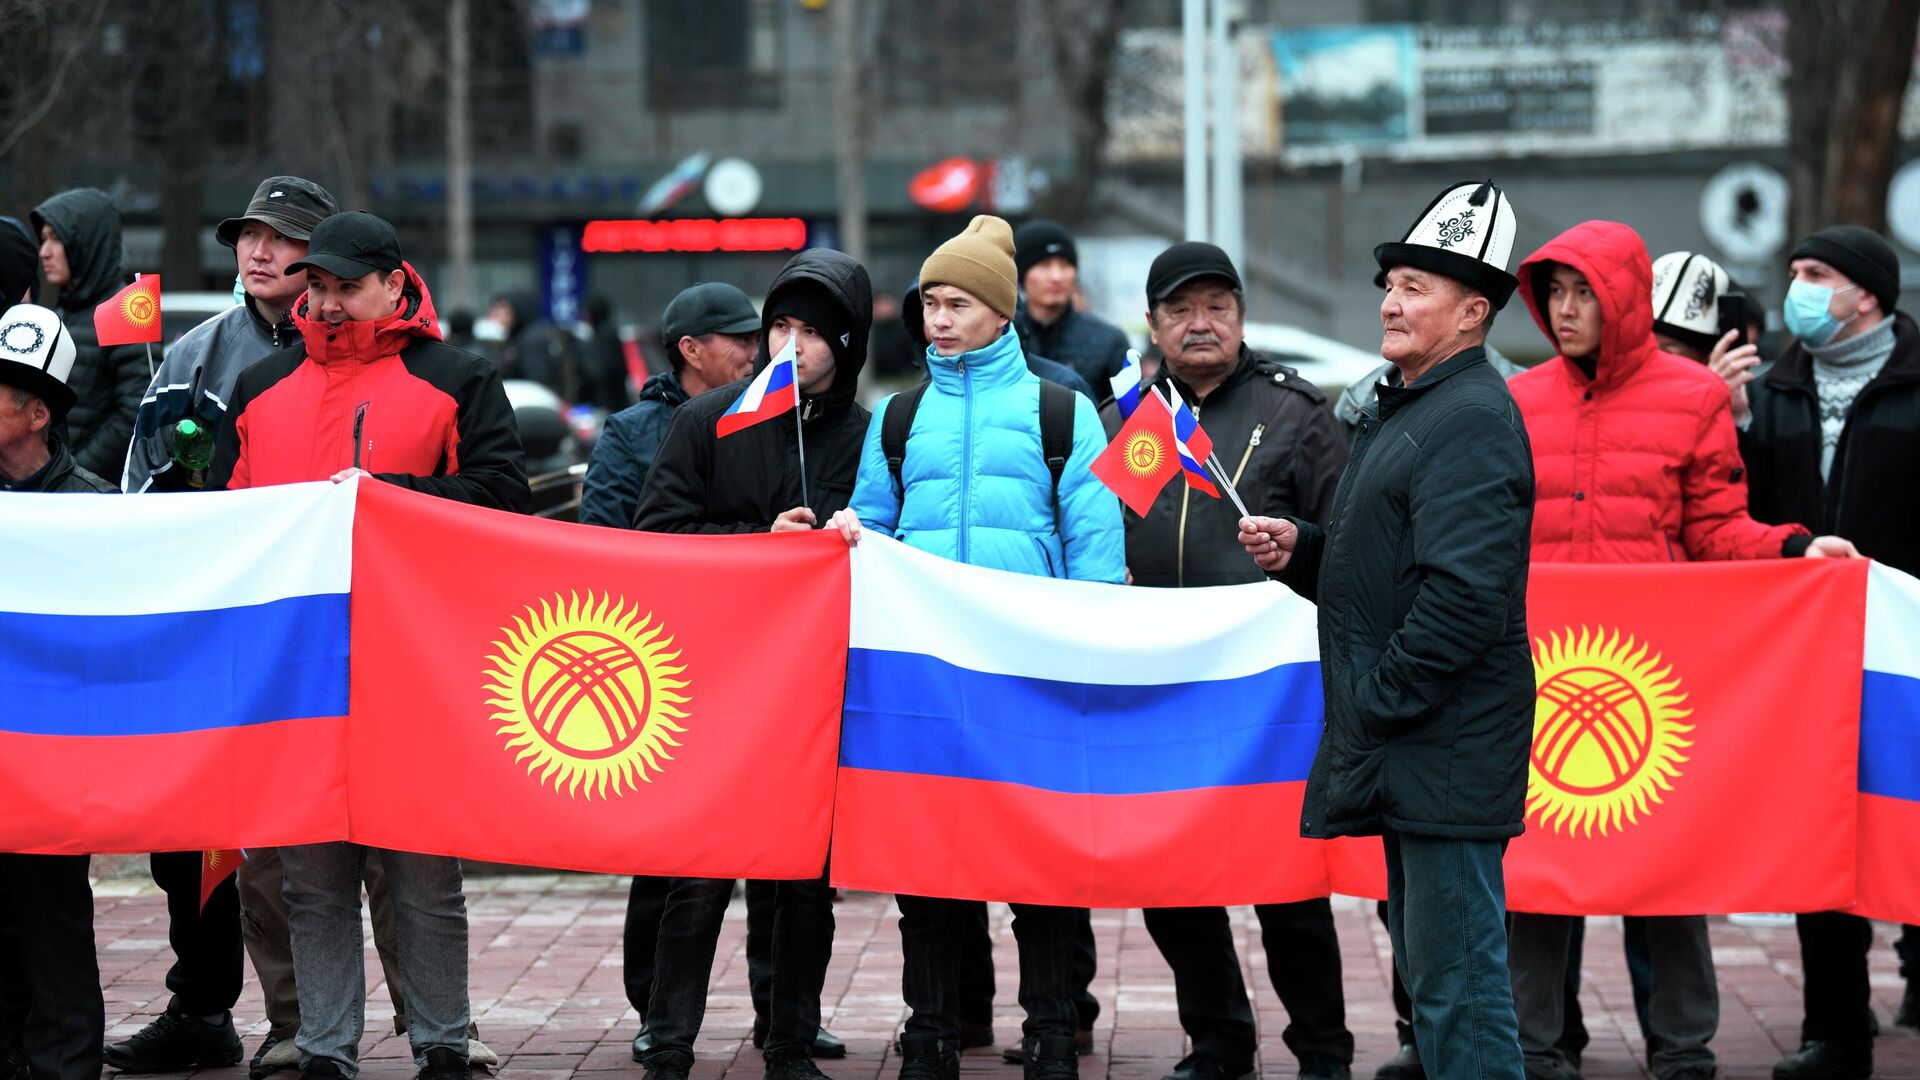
(193, 449)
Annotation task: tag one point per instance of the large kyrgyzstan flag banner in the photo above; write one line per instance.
(1694, 742)
(544, 693)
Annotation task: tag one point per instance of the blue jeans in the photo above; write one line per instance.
(1446, 913)
(322, 891)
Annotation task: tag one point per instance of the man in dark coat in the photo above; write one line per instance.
(751, 481)
(52, 1018)
(1831, 439)
(1048, 267)
(79, 234)
(1421, 579)
(710, 332)
(1284, 453)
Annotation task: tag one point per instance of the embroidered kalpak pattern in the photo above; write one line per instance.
(1456, 229)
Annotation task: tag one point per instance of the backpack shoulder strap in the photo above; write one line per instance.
(1056, 429)
(896, 423)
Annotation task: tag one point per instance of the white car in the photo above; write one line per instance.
(1328, 364)
(182, 311)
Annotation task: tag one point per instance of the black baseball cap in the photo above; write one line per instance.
(709, 307)
(1183, 262)
(291, 205)
(351, 245)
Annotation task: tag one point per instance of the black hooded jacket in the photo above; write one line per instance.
(701, 483)
(1868, 494)
(107, 383)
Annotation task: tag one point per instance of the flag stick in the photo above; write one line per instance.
(800, 434)
(1220, 474)
(150, 368)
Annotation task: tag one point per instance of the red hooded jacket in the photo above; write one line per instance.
(1640, 462)
(384, 395)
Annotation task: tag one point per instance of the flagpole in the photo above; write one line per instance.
(150, 367)
(799, 431)
(1220, 473)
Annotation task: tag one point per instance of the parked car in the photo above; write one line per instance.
(1328, 364)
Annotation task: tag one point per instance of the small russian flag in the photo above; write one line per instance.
(772, 392)
(1126, 385)
(1193, 444)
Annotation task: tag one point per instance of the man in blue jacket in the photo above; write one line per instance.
(974, 485)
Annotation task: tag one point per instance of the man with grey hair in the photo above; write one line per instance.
(1421, 579)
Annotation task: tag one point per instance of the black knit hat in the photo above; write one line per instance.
(1863, 255)
(810, 302)
(1041, 239)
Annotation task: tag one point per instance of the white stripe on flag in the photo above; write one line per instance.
(905, 600)
(151, 554)
(1893, 622)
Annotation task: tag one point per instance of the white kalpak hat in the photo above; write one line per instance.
(1686, 292)
(1466, 233)
(36, 354)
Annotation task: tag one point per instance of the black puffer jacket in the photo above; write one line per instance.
(739, 484)
(1868, 496)
(1281, 447)
(1421, 578)
(107, 383)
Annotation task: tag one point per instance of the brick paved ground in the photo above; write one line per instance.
(548, 996)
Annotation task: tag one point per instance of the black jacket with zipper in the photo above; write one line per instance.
(1421, 578)
(701, 483)
(1281, 446)
(1868, 496)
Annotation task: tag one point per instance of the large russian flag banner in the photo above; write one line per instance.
(1693, 741)
(176, 669)
(533, 692)
(1019, 738)
(1889, 783)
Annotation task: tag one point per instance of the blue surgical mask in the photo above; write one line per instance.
(1807, 314)
(239, 290)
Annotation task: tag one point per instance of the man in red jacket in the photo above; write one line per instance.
(372, 392)
(1635, 460)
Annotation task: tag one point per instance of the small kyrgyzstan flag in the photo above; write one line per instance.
(774, 391)
(130, 316)
(217, 866)
(1140, 460)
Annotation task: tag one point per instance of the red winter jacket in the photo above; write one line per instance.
(1639, 463)
(384, 395)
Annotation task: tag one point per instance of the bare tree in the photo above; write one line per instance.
(1848, 66)
(1083, 36)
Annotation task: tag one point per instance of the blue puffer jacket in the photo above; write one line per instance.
(977, 487)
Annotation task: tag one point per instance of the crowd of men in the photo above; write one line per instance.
(1410, 513)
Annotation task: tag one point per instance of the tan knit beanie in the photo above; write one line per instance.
(980, 261)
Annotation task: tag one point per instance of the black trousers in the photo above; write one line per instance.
(932, 931)
(647, 902)
(1303, 959)
(50, 1002)
(209, 957)
(801, 945)
(976, 969)
(1833, 953)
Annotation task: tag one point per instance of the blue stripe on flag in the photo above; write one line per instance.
(1890, 735)
(911, 713)
(174, 672)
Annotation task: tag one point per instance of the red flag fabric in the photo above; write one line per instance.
(1694, 742)
(529, 691)
(1140, 460)
(130, 316)
(217, 866)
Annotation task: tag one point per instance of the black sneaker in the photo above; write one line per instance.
(445, 1063)
(321, 1068)
(13, 1063)
(974, 1036)
(925, 1057)
(1198, 1066)
(274, 1054)
(667, 1066)
(792, 1067)
(1404, 1065)
(1050, 1057)
(1909, 1014)
(1315, 1067)
(1816, 1060)
(1693, 1072)
(175, 1042)
(642, 1045)
(825, 1043)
